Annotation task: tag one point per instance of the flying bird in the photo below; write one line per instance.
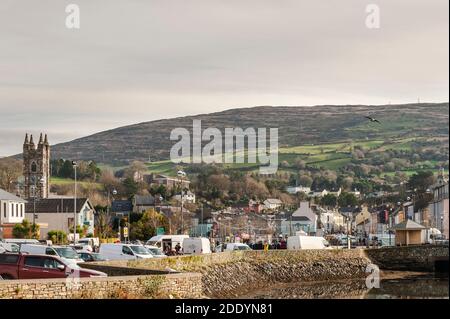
(372, 119)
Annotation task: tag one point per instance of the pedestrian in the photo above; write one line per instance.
(178, 248)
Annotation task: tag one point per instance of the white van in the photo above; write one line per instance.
(90, 241)
(196, 246)
(306, 242)
(9, 247)
(166, 241)
(20, 241)
(124, 251)
(68, 254)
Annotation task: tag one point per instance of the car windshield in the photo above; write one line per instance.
(242, 247)
(66, 252)
(155, 251)
(97, 257)
(154, 243)
(140, 250)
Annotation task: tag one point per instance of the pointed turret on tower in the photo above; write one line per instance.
(36, 167)
(31, 140)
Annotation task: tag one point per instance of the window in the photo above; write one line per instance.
(12, 210)
(51, 252)
(17, 210)
(8, 259)
(21, 210)
(34, 261)
(4, 210)
(127, 251)
(34, 167)
(51, 263)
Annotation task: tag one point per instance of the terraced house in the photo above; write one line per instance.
(12, 211)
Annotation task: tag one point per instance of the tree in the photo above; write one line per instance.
(26, 230)
(329, 200)
(103, 226)
(347, 199)
(131, 187)
(10, 170)
(422, 180)
(146, 226)
(305, 181)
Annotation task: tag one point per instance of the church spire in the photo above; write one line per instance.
(45, 140)
(40, 139)
(31, 139)
(26, 139)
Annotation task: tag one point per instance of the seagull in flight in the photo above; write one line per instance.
(372, 119)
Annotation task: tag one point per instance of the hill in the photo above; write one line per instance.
(298, 127)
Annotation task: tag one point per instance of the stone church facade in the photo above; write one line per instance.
(36, 167)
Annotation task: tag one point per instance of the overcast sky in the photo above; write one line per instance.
(139, 60)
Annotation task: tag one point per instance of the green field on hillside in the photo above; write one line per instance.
(332, 156)
(69, 181)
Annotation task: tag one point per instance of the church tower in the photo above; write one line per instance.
(36, 167)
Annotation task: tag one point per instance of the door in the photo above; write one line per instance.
(127, 253)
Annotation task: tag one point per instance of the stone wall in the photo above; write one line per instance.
(231, 274)
(418, 258)
(187, 285)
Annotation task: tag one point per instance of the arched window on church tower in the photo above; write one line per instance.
(34, 167)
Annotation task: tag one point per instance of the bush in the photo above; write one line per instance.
(57, 236)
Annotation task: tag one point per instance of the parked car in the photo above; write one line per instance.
(196, 246)
(90, 256)
(124, 251)
(82, 247)
(66, 253)
(155, 251)
(232, 247)
(31, 266)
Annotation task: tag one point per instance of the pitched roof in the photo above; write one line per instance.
(121, 206)
(274, 201)
(4, 195)
(408, 225)
(144, 200)
(55, 205)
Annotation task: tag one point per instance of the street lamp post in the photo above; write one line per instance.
(181, 175)
(74, 164)
(41, 181)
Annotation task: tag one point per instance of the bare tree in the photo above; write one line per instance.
(10, 171)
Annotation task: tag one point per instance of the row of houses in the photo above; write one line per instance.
(318, 193)
(53, 213)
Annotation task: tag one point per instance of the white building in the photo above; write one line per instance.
(188, 197)
(298, 189)
(272, 203)
(305, 210)
(12, 211)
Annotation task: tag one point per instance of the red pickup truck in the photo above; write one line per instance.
(25, 266)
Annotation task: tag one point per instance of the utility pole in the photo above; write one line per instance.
(74, 164)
